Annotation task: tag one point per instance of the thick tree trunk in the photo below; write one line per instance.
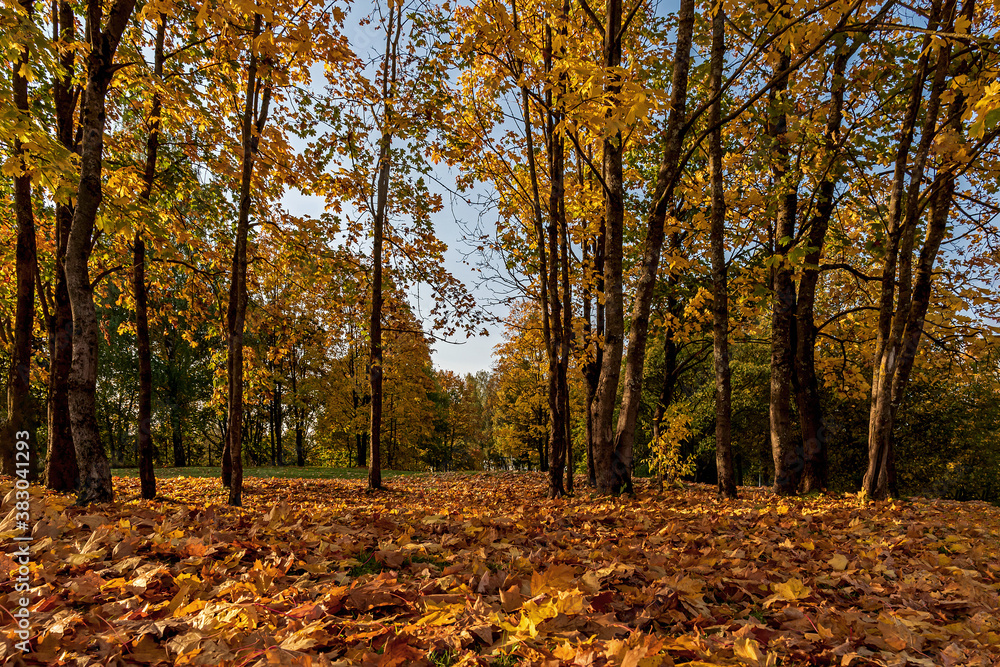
(608, 469)
(22, 418)
(787, 459)
(720, 287)
(258, 96)
(663, 195)
(95, 473)
(147, 479)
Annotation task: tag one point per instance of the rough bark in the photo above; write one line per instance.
(147, 479)
(258, 97)
(784, 450)
(607, 468)
(22, 422)
(558, 303)
(807, 394)
(593, 335)
(61, 471)
(621, 476)
(901, 225)
(720, 287)
(95, 473)
(392, 34)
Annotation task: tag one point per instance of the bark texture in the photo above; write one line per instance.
(95, 473)
(255, 110)
(784, 448)
(720, 287)
(147, 479)
(619, 478)
(608, 468)
(22, 421)
(901, 317)
(61, 471)
(392, 33)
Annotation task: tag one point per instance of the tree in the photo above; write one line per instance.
(21, 422)
(720, 288)
(104, 38)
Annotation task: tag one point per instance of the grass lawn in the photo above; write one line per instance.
(285, 472)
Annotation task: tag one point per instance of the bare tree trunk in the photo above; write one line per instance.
(606, 467)
(392, 34)
(258, 96)
(663, 195)
(902, 224)
(807, 396)
(147, 478)
(567, 343)
(720, 287)
(787, 461)
(592, 370)
(558, 307)
(22, 419)
(95, 473)
(61, 470)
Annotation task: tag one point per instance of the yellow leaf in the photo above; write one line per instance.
(838, 562)
(791, 590)
(747, 648)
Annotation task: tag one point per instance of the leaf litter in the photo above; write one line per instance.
(479, 569)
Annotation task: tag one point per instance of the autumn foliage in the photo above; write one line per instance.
(483, 569)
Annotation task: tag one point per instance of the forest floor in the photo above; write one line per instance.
(478, 569)
(283, 472)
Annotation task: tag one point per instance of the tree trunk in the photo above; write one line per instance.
(22, 421)
(592, 370)
(558, 308)
(147, 479)
(256, 98)
(95, 473)
(393, 27)
(300, 453)
(787, 461)
(61, 470)
(726, 475)
(667, 176)
(901, 226)
(607, 469)
(807, 396)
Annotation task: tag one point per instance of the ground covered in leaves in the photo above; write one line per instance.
(482, 569)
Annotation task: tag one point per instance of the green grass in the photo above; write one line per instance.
(286, 472)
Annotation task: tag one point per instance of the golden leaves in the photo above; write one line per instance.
(483, 566)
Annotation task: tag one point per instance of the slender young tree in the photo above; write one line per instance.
(606, 467)
(720, 287)
(393, 30)
(22, 422)
(61, 470)
(147, 478)
(256, 105)
(619, 477)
